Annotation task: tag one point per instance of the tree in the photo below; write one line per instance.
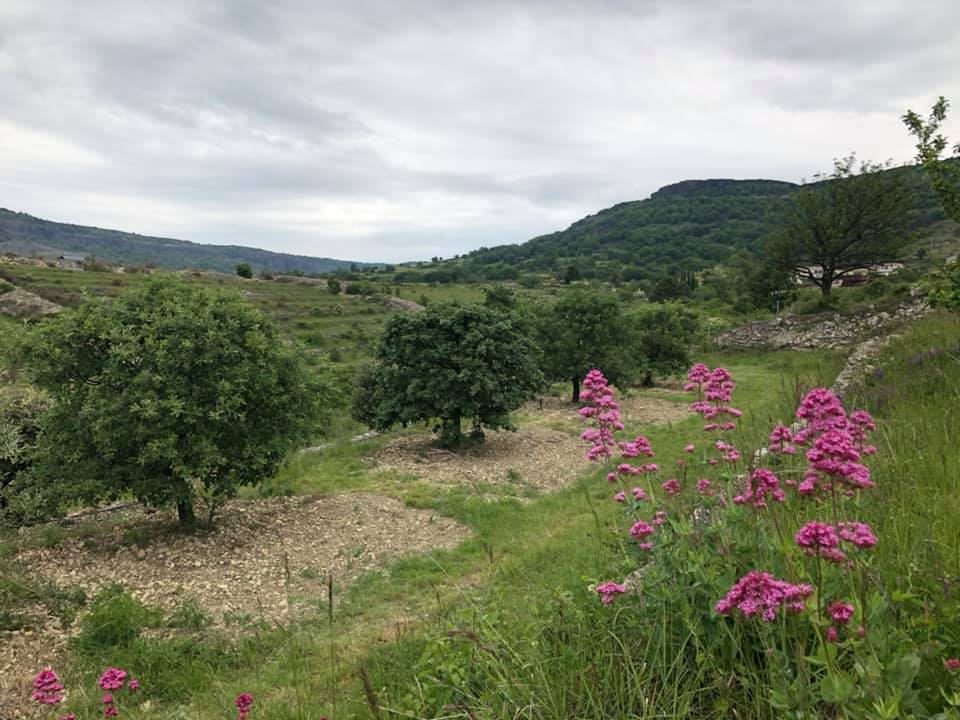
(447, 363)
(499, 297)
(584, 329)
(172, 393)
(665, 335)
(333, 285)
(572, 274)
(244, 270)
(846, 221)
(943, 175)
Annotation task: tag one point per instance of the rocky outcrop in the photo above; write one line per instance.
(819, 331)
(22, 303)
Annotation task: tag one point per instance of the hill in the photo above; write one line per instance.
(24, 234)
(681, 228)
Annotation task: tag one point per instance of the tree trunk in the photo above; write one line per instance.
(450, 432)
(576, 389)
(826, 283)
(185, 511)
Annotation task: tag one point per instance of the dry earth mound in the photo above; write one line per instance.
(22, 303)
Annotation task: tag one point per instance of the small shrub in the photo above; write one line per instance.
(115, 620)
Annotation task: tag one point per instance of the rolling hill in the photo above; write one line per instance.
(684, 227)
(24, 234)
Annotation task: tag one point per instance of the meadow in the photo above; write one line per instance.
(507, 622)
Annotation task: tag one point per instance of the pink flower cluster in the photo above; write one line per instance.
(714, 389)
(47, 688)
(760, 485)
(605, 411)
(243, 703)
(822, 540)
(608, 591)
(113, 679)
(759, 593)
(781, 441)
(836, 442)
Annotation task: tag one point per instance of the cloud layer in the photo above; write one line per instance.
(378, 130)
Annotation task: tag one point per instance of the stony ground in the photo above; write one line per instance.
(266, 560)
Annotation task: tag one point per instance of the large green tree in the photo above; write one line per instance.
(943, 174)
(172, 392)
(584, 329)
(449, 363)
(849, 220)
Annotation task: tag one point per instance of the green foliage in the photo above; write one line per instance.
(945, 288)
(5, 286)
(115, 619)
(22, 498)
(943, 174)
(244, 270)
(582, 330)
(846, 221)
(449, 362)
(666, 334)
(172, 392)
(499, 297)
(333, 285)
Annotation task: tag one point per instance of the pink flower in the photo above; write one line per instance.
(133, 685)
(243, 703)
(660, 518)
(638, 493)
(703, 486)
(671, 487)
(840, 612)
(107, 699)
(68, 716)
(110, 711)
(820, 539)
(619, 497)
(759, 593)
(608, 592)
(47, 689)
(698, 374)
(760, 485)
(952, 663)
(831, 634)
(640, 530)
(645, 546)
(858, 534)
(689, 448)
(112, 679)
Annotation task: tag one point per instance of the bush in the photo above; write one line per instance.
(22, 499)
(244, 270)
(333, 285)
(173, 393)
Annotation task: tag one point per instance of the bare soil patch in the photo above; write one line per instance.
(560, 413)
(266, 560)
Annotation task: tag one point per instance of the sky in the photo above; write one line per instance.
(385, 130)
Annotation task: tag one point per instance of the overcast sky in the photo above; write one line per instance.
(391, 130)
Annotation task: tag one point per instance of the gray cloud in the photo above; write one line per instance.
(383, 130)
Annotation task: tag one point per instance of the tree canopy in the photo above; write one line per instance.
(943, 174)
(447, 363)
(849, 220)
(584, 329)
(172, 393)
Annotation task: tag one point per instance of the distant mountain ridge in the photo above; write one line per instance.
(681, 228)
(25, 234)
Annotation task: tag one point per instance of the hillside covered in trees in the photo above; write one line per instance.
(24, 234)
(679, 229)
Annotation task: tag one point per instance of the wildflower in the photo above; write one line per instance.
(110, 711)
(840, 612)
(857, 533)
(645, 546)
(781, 440)
(671, 487)
(640, 530)
(952, 663)
(107, 699)
(607, 591)
(831, 634)
(703, 486)
(660, 518)
(619, 497)
(47, 689)
(638, 493)
(760, 485)
(698, 374)
(68, 716)
(689, 448)
(133, 685)
(112, 679)
(820, 539)
(638, 446)
(243, 703)
(759, 593)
